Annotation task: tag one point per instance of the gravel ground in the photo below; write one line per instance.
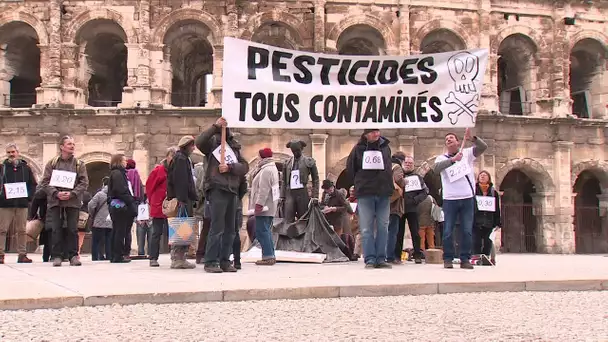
(523, 316)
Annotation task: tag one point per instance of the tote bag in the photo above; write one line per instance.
(181, 228)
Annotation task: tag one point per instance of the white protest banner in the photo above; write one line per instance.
(269, 87)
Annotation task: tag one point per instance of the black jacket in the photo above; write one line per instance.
(118, 188)
(180, 182)
(38, 207)
(21, 172)
(413, 198)
(230, 181)
(488, 219)
(371, 182)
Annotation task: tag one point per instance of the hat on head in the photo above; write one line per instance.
(265, 153)
(131, 164)
(295, 142)
(327, 184)
(365, 131)
(185, 140)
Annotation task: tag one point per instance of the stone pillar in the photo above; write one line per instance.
(50, 147)
(144, 20)
(404, 28)
(215, 100)
(319, 153)
(406, 145)
(319, 29)
(49, 92)
(141, 155)
(71, 64)
(158, 91)
(6, 74)
(489, 98)
(137, 91)
(231, 26)
(602, 239)
(558, 66)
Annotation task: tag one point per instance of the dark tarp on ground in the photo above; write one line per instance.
(310, 234)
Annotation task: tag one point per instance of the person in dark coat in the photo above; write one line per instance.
(121, 205)
(38, 212)
(487, 216)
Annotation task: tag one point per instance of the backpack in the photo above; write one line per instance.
(397, 192)
(55, 160)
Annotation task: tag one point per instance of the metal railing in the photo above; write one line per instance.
(520, 228)
(23, 100)
(588, 230)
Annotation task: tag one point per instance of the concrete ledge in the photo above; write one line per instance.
(41, 303)
(283, 293)
(155, 298)
(388, 290)
(481, 287)
(567, 285)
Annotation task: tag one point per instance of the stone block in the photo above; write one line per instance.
(566, 285)
(154, 298)
(388, 290)
(282, 293)
(481, 287)
(41, 303)
(433, 256)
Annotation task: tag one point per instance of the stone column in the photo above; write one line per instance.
(50, 147)
(215, 100)
(71, 64)
(602, 240)
(548, 231)
(319, 153)
(6, 74)
(49, 92)
(232, 24)
(158, 91)
(404, 28)
(406, 145)
(137, 91)
(564, 238)
(558, 66)
(319, 29)
(141, 155)
(489, 98)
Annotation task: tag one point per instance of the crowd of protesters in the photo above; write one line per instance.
(370, 217)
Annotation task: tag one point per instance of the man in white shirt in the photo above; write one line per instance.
(457, 182)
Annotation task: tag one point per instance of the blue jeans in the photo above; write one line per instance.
(264, 235)
(101, 235)
(452, 209)
(374, 214)
(144, 234)
(393, 229)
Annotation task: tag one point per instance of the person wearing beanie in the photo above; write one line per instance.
(369, 164)
(222, 182)
(180, 185)
(264, 198)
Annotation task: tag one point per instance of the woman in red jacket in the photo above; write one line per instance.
(156, 191)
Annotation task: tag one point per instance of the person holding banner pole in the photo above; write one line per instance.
(223, 178)
(369, 163)
(457, 182)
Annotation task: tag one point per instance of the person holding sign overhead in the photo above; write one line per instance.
(456, 169)
(369, 163)
(17, 189)
(225, 169)
(65, 180)
(487, 216)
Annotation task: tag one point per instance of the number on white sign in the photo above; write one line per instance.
(413, 184)
(229, 156)
(15, 190)
(295, 182)
(458, 170)
(63, 179)
(486, 203)
(372, 160)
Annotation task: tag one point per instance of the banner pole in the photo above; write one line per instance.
(223, 147)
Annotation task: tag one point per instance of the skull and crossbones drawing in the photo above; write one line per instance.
(464, 69)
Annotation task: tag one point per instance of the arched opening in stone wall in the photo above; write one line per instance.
(516, 74)
(520, 228)
(191, 57)
(19, 65)
(441, 40)
(344, 181)
(587, 76)
(103, 65)
(361, 40)
(276, 34)
(96, 171)
(587, 220)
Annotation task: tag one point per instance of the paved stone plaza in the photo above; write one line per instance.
(39, 285)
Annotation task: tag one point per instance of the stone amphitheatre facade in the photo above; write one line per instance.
(135, 75)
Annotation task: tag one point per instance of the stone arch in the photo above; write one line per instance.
(215, 27)
(441, 24)
(597, 167)
(31, 162)
(294, 25)
(29, 19)
(364, 19)
(334, 172)
(95, 157)
(83, 18)
(588, 34)
(532, 168)
(588, 55)
(527, 31)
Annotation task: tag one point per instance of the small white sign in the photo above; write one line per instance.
(295, 182)
(353, 206)
(143, 212)
(486, 203)
(412, 183)
(63, 179)
(15, 190)
(458, 170)
(276, 193)
(372, 160)
(229, 156)
(109, 219)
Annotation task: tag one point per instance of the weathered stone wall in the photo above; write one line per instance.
(548, 143)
